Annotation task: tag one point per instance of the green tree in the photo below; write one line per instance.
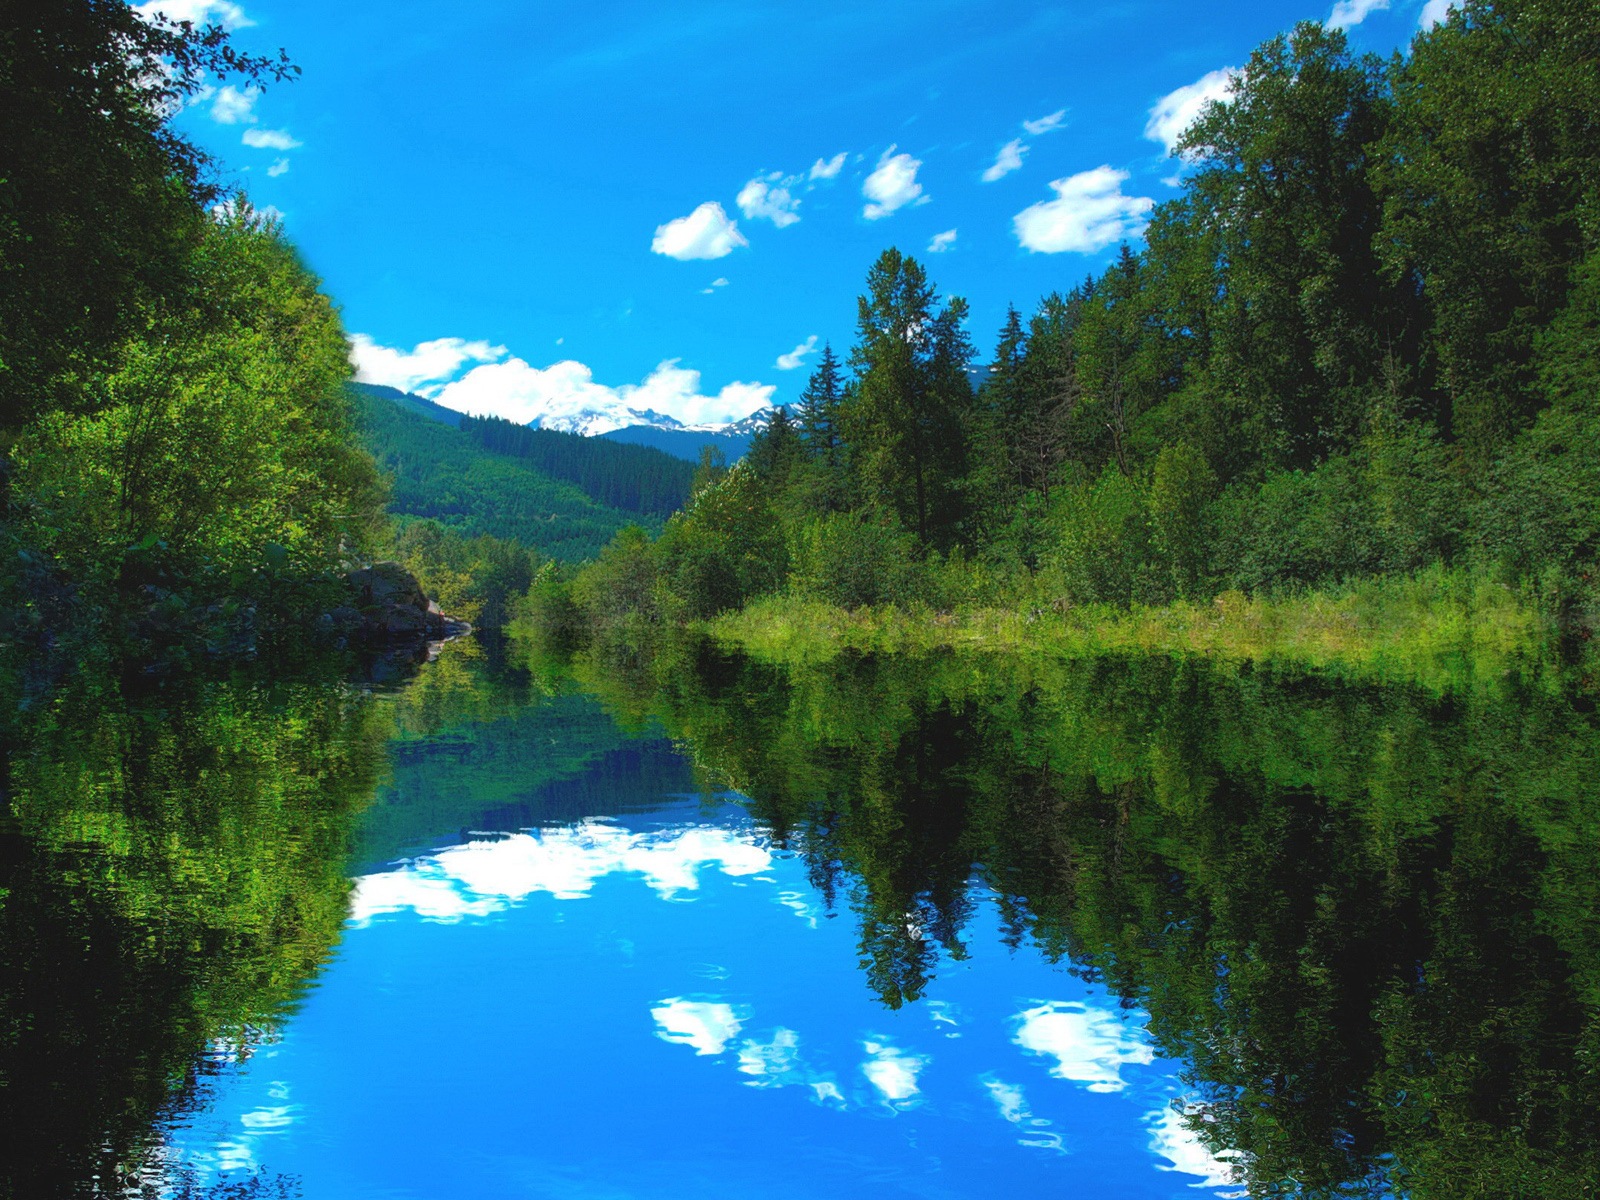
(1492, 178)
(101, 199)
(905, 422)
(1307, 317)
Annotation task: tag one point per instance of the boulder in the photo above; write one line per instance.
(394, 608)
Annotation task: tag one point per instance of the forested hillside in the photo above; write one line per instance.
(447, 476)
(634, 478)
(1364, 341)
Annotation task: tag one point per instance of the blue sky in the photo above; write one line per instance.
(554, 200)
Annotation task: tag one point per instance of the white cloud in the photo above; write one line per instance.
(1349, 13)
(892, 184)
(768, 197)
(1435, 12)
(1046, 124)
(827, 169)
(1174, 1141)
(270, 139)
(942, 242)
(565, 395)
(720, 281)
(200, 12)
(424, 368)
(278, 168)
(1090, 1045)
(1177, 110)
(705, 233)
(230, 106)
(893, 1072)
(707, 1025)
(1007, 161)
(1089, 213)
(797, 356)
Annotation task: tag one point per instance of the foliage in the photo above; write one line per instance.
(101, 200)
(479, 580)
(250, 367)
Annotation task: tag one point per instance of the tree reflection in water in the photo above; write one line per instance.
(1365, 916)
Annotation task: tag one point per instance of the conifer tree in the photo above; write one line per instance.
(819, 409)
(906, 421)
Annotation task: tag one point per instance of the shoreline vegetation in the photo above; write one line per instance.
(1427, 627)
(1341, 406)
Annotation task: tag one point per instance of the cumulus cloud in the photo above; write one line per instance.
(1089, 213)
(1090, 1045)
(893, 1072)
(278, 168)
(721, 281)
(827, 168)
(707, 1025)
(707, 232)
(230, 106)
(797, 356)
(892, 185)
(199, 12)
(1046, 124)
(270, 139)
(767, 196)
(424, 368)
(565, 395)
(942, 242)
(1007, 161)
(1349, 13)
(1435, 12)
(1177, 110)
(1173, 1140)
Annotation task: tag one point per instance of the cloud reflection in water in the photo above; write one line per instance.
(483, 877)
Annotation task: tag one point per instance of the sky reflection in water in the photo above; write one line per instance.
(662, 1008)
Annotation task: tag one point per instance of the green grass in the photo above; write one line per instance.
(1432, 628)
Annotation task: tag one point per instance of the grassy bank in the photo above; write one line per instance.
(1429, 627)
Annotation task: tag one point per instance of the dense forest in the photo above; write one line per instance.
(634, 478)
(1364, 340)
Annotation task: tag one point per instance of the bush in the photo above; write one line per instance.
(844, 560)
(1103, 550)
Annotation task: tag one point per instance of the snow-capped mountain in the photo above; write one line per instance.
(594, 421)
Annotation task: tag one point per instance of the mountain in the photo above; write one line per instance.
(419, 405)
(444, 473)
(682, 443)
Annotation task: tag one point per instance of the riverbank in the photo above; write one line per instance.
(1428, 626)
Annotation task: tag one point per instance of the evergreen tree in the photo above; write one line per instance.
(775, 450)
(906, 421)
(819, 409)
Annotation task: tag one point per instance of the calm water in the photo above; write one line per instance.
(706, 929)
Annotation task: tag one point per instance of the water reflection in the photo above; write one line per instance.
(1365, 916)
(938, 927)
